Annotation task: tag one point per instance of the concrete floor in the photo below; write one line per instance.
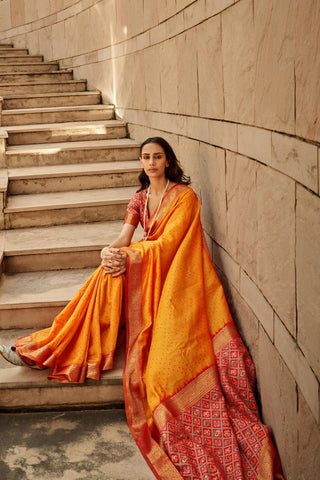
(72, 445)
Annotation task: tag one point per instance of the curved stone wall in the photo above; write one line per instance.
(233, 85)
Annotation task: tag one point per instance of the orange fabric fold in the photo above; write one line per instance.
(82, 339)
(188, 379)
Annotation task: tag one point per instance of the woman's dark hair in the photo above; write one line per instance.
(173, 172)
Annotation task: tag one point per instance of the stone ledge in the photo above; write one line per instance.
(257, 302)
(298, 365)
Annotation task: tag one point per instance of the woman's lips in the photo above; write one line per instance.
(152, 170)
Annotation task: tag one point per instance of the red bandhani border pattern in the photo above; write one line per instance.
(220, 437)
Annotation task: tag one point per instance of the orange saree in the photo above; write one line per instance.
(188, 379)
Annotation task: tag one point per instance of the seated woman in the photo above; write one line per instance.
(188, 379)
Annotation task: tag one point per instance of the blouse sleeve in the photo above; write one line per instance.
(133, 211)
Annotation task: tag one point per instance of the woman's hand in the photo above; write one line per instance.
(113, 261)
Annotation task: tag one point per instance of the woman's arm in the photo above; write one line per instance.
(112, 259)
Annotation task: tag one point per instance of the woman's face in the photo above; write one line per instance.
(153, 160)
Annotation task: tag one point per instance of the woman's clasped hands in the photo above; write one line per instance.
(113, 261)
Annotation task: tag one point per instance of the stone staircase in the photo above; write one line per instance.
(67, 172)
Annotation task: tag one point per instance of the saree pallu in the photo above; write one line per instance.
(188, 379)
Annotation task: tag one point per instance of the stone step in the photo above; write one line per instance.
(57, 114)
(72, 152)
(59, 247)
(43, 87)
(6, 45)
(39, 100)
(27, 388)
(63, 208)
(7, 51)
(63, 178)
(6, 68)
(65, 132)
(12, 59)
(33, 299)
(32, 77)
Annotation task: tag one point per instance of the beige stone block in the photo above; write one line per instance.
(274, 67)
(189, 156)
(279, 402)
(210, 74)
(153, 84)
(59, 41)
(17, 12)
(169, 76)
(223, 134)
(295, 158)
(238, 51)
(308, 458)
(307, 69)
(56, 5)
(128, 14)
(5, 15)
(103, 19)
(298, 365)
(226, 264)
(44, 8)
(33, 43)
(166, 9)
(187, 74)
(216, 6)
(175, 25)
(213, 193)
(176, 124)
(150, 15)
(257, 302)
(198, 128)
(194, 13)
(308, 275)
(242, 226)
(158, 34)
(45, 43)
(180, 4)
(276, 242)
(255, 143)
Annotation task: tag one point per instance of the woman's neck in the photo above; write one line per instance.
(158, 185)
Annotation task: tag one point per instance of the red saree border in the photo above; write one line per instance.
(224, 336)
(154, 455)
(186, 397)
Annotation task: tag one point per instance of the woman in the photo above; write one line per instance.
(188, 379)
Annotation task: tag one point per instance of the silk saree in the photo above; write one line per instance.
(188, 378)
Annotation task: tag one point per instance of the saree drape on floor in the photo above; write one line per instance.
(188, 379)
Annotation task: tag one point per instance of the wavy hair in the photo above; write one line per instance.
(173, 172)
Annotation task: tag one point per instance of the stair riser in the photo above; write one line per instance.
(20, 59)
(75, 86)
(65, 216)
(73, 183)
(52, 261)
(56, 117)
(42, 67)
(4, 52)
(67, 135)
(35, 317)
(35, 77)
(72, 157)
(61, 396)
(56, 101)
